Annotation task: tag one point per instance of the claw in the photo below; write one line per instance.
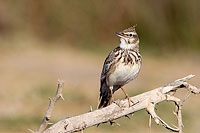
(130, 101)
(117, 102)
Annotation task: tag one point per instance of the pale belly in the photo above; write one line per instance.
(123, 74)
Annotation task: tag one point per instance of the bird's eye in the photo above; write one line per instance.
(130, 35)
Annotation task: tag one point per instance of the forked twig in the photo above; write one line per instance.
(52, 103)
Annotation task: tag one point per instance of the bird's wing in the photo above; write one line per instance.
(108, 67)
(109, 62)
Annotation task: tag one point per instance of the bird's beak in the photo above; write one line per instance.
(120, 34)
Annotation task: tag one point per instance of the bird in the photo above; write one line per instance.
(121, 66)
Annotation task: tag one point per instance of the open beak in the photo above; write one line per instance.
(120, 34)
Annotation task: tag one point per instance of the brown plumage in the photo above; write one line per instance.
(121, 66)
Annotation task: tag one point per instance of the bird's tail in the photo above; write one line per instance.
(105, 96)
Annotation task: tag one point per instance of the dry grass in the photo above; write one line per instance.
(28, 77)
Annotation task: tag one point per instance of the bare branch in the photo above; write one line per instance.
(52, 103)
(31, 131)
(151, 109)
(121, 108)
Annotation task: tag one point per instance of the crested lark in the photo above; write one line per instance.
(121, 66)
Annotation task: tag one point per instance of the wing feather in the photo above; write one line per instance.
(108, 63)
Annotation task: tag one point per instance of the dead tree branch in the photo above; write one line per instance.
(52, 103)
(121, 108)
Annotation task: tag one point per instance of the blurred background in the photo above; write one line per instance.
(42, 41)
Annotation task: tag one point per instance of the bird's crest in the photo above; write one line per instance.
(130, 29)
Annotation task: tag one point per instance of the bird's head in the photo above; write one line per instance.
(129, 36)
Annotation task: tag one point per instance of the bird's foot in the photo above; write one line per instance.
(118, 103)
(130, 102)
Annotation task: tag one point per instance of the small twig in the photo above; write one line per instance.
(113, 122)
(178, 114)
(127, 117)
(90, 108)
(150, 117)
(31, 131)
(45, 121)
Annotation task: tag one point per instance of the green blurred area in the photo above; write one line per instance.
(164, 27)
(41, 41)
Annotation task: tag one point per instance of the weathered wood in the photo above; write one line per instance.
(121, 108)
(52, 103)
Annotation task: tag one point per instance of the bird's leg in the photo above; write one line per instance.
(112, 97)
(129, 100)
